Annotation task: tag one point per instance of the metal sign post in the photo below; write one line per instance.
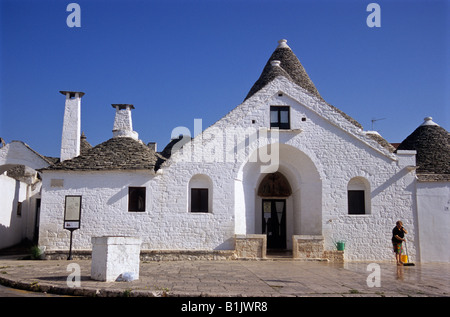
(72, 217)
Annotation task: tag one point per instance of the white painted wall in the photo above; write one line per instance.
(433, 202)
(13, 227)
(165, 225)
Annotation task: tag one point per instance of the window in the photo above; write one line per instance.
(199, 199)
(279, 117)
(358, 196)
(200, 192)
(136, 198)
(356, 202)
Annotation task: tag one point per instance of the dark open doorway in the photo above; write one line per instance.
(274, 223)
(36, 221)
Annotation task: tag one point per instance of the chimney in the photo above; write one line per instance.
(70, 141)
(123, 126)
(152, 145)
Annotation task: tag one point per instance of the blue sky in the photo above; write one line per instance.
(179, 60)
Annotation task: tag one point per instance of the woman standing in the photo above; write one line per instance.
(398, 234)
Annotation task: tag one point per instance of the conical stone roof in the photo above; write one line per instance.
(432, 143)
(291, 68)
(84, 144)
(283, 62)
(119, 153)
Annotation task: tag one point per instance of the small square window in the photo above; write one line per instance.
(199, 199)
(136, 198)
(280, 117)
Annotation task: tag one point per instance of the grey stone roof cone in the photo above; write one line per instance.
(432, 143)
(289, 66)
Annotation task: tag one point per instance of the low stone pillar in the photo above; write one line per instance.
(307, 246)
(113, 256)
(250, 246)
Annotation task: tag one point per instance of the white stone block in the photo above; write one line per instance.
(113, 256)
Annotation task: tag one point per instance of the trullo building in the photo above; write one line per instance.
(284, 170)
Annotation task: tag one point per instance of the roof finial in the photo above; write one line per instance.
(282, 44)
(429, 121)
(275, 63)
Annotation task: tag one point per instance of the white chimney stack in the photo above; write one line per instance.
(70, 141)
(123, 125)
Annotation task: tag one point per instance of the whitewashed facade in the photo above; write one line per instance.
(215, 187)
(20, 189)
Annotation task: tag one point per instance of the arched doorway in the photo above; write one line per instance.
(302, 203)
(274, 189)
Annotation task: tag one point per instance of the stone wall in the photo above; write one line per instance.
(12, 225)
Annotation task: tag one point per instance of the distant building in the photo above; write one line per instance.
(284, 170)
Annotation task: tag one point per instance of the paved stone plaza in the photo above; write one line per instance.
(280, 278)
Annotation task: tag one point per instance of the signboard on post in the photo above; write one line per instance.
(72, 217)
(72, 212)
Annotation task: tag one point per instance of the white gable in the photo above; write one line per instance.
(18, 153)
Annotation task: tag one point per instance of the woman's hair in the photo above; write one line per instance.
(399, 223)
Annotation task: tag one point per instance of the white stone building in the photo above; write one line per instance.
(431, 142)
(284, 170)
(20, 187)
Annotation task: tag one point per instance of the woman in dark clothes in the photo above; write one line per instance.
(398, 234)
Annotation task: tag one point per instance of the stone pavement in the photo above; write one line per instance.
(269, 278)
